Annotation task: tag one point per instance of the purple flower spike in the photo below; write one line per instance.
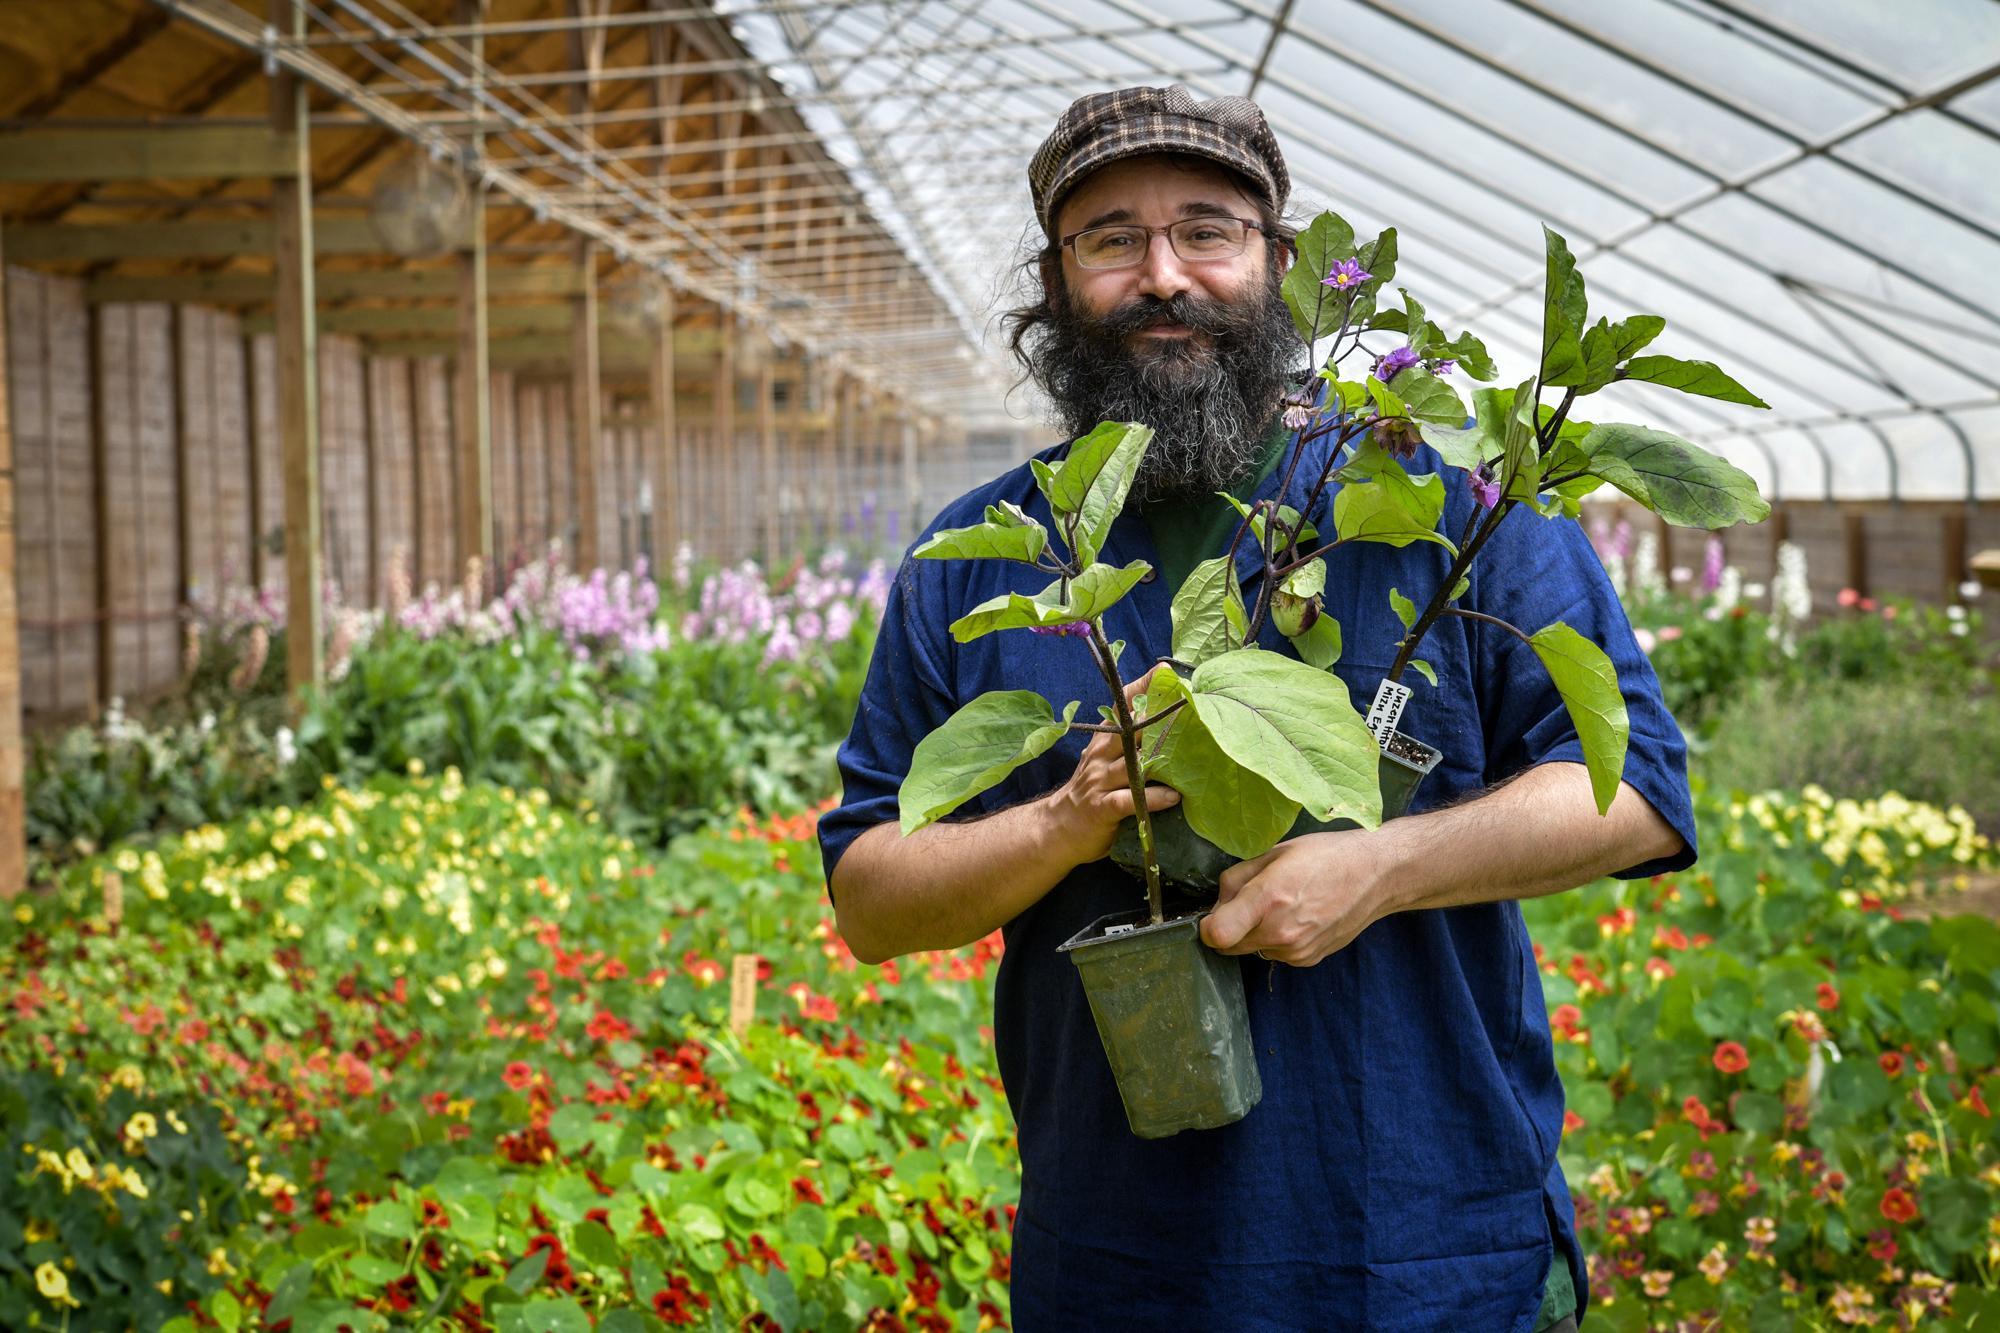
(1485, 489)
(1345, 276)
(1392, 364)
(1075, 629)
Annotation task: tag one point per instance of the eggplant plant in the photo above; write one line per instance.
(1253, 738)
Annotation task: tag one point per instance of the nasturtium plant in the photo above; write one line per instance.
(1249, 737)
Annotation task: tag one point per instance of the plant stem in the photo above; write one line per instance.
(1512, 629)
(1442, 597)
(1128, 734)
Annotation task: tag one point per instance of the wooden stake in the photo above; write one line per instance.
(666, 469)
(742, 992)
(764, 496)
(722, 449)
(474, 418)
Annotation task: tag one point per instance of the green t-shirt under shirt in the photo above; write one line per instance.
(1189, 530)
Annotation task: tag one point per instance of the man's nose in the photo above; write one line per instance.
(1162, 275)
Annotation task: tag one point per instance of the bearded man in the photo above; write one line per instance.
(1400, 1171)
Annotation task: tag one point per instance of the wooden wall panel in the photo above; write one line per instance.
(531, 441)
(505, 434)
(49, 361)
(267, 463)
(216, 512)
(436, 556)
(560, 455)
(139, 496)
(343, 467)
(393, 467)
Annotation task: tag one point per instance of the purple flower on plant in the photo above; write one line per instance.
(1298, 410)
(1075, 629)
(1485, 489)
(1345, 276)
(1443, 366)
(1391, 364)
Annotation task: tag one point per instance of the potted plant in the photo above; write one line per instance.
(1263, 744)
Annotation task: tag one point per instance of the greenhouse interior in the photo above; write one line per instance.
(524, 804)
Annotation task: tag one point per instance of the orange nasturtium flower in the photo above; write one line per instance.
(1731, 1058)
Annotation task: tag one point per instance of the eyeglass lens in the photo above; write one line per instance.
(1193, 239)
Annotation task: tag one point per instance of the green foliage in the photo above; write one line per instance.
(1588, 683)
(392, 1040)
(976, 747)
(1065, 601)
(1226, 802)
(1208, 612)
(1293, 726)
(1682, 484)
(1858, 737)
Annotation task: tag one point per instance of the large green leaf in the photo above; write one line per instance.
(988, 541)
(1203, 623)
(1093, 479)
(1563, 314)
(1224, 801)
(1697, 377)
(1292, 725)
(1588, 683)
(1630, 335)
(1391, 510)
(1682, 483)
(1090, 595)
(1315, 307)
(976, 747)
(1428, 398)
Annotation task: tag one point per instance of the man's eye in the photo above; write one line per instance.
(1113, 241)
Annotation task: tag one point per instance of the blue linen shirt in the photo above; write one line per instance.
(1400, 1171)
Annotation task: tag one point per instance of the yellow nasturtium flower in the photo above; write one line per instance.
(53, 1283)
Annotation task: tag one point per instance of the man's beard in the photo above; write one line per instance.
(1212, 401)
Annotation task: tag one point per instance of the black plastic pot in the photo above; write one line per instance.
(1193, 865)
(1171, 1015)
(1169, 1009)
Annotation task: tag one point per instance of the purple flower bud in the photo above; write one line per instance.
(1345, 276)
(1392, 364)
(1398, 438)
(1075, 629)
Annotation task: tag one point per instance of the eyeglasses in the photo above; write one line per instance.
(1194, 240)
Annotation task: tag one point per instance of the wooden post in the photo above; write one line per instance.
(586, 407)
(1951, 553)
(666, 470)
(298, 368)
(766, 501)
(13, 797)
(913, 505)
(1854, 540)
(474, 418)
(720, 492)
(839, 415)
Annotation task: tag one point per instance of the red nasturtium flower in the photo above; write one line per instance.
(1898, 1206)
(518, 1075)
(1891, 1062)
(1829, 998)
(1731, 1058)
(1571, 1121)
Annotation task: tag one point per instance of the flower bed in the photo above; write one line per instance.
(1780, 1087)
(423, 1048)
(428, 1050)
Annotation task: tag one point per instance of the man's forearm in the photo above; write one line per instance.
(948, 884)
(1537, 834)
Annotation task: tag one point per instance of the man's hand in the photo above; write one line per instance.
(1301, 901)
(1098, 796)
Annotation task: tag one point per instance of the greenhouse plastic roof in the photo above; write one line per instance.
(1807, 190)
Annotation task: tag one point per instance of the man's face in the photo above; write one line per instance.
(1201, 350)
(1156, 192)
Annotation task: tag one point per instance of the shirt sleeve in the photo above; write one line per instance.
(903, 699)
(1547, 573)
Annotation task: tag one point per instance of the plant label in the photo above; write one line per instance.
(742, 992)
(1387, 710)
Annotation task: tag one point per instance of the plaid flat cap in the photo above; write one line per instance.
(1104, 127)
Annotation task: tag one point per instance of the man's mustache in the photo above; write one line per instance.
(1152, 312)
